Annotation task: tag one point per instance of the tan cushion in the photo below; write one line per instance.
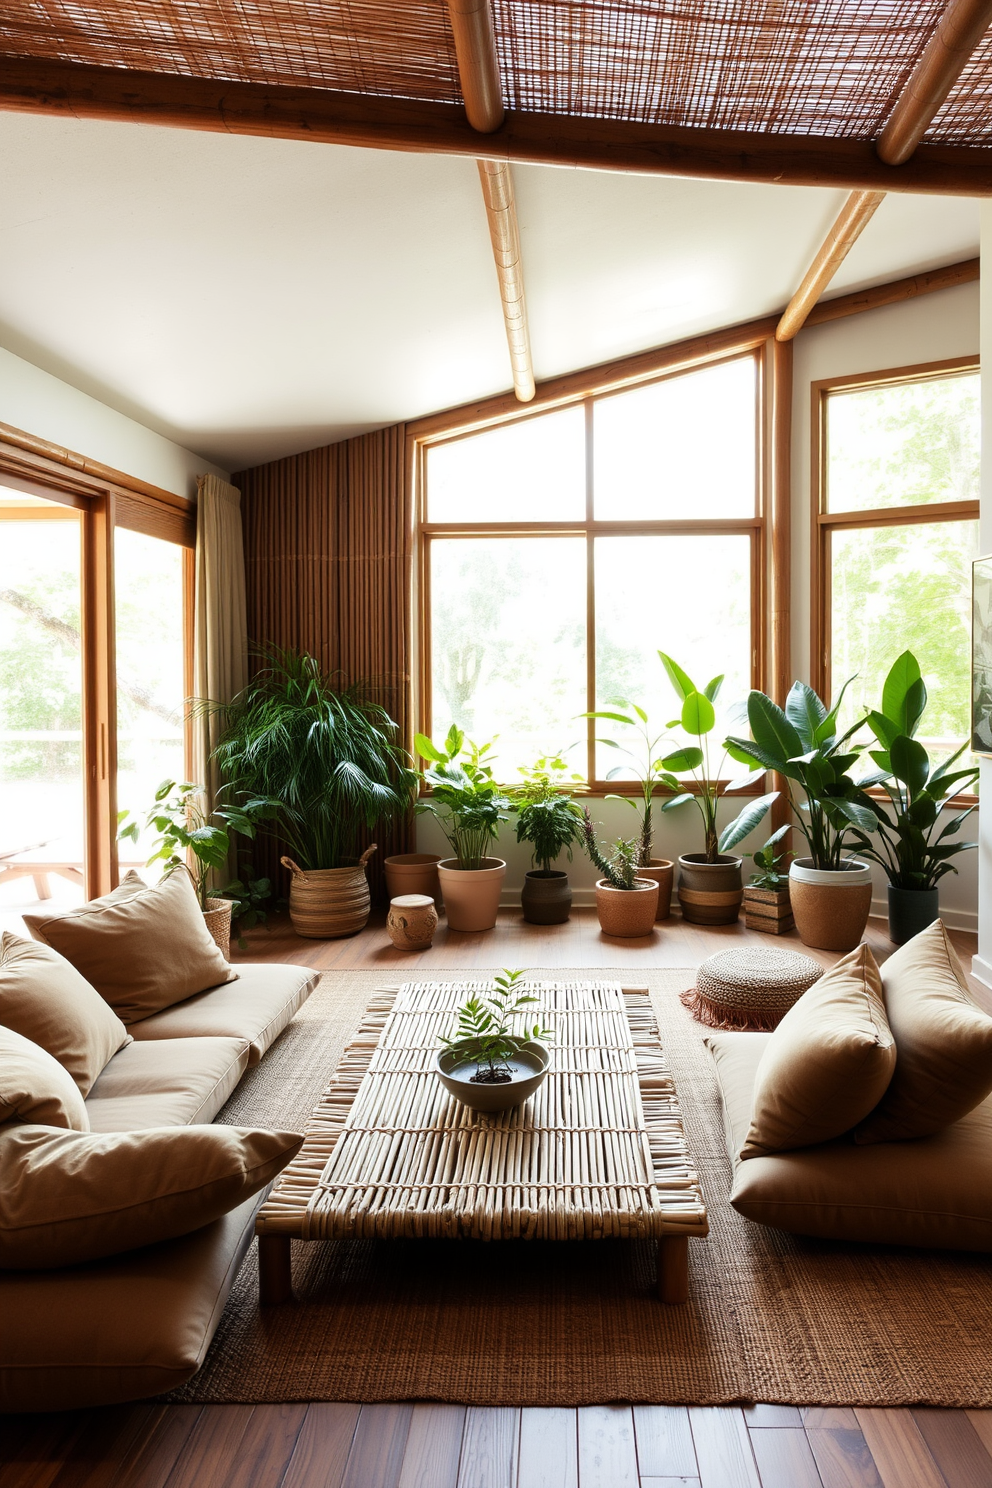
(142, 949)
(943, 1042)
(828, 1062)
(44, 998)
(166, 1082)
(257, 1007)
(68, 1197)
(34, 1087)
(69, 1336)
(934, 1191)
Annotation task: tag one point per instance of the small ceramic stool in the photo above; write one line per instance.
(411, 922)
(750, 988)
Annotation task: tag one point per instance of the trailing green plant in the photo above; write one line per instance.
(647, 767)
(187, 829)
(319, 747)
(547, 816)
(465, 799)
(802, 744)
(620, 868)
(248, 894)
(766, 860)
(698, 719)
(909, 844)
(485, 1027)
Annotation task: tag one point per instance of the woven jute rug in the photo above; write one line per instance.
(770, 1318)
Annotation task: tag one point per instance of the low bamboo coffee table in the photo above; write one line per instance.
(598, 1153)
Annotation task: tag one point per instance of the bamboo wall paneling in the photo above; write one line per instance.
(99, 650)
(44, 85)
(958, 33)
(851, 221)
(478, 64)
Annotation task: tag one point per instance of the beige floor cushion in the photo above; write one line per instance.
(828, 1062)
(44, 998)
(34, 1087)
(69, 1336)
(933, 1191)
(943, 1042)
(143, 949)
(68, 1197)
(257, 1007)
(166, 1082)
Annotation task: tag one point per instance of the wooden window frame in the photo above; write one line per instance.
(824, 523)
(106, 499)
(639, 372)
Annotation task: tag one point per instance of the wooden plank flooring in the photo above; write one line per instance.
(436, 1446)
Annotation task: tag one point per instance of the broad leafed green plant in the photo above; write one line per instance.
(547, 816)
(485, 1027)
(320, 748)
(465, 799)
(766, 861)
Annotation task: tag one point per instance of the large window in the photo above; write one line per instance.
(896, 529)
(562, 550)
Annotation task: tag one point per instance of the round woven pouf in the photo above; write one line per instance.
(749, 988)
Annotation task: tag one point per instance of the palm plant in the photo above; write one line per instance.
(547, 817)
(321, 749)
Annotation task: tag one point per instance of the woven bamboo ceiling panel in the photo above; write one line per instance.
(830, 68)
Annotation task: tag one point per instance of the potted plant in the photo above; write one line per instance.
(199, 839)
(766, 894)
(549, 819)
(485, 1064)
(648, 768)
(328, 756)
(711, 889)
(625, 902)
(248, 895)
(830, 891)
(913, 849)
(469, 806)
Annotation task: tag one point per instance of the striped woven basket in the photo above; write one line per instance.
(328, 903)
(749, 988)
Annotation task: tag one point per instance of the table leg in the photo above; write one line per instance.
(673, 1269)
(275, 1272)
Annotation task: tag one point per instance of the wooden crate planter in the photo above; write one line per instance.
(768, 910)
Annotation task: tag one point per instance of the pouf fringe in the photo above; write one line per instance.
(714, 1016)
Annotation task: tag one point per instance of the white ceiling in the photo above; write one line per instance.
(250, 298)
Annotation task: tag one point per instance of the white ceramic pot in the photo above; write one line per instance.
(471, 895)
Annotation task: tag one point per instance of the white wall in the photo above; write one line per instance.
(40, 404)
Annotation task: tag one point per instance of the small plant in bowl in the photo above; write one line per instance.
(489, 1063)
(767, 905)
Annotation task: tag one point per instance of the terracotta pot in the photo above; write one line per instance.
(329, 903)
(710, 893)
(217, 918)
(413, 873)
(662, 872)
(456, 1066)
(768, 910)
(411, 922)
(546, 897)
(627, 912)
(831, 905)
(910, 911)
(471, 895)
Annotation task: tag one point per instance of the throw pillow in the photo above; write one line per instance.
(69, 1197)
(828, 1062)
(144, 949)
(34, 1087)
(44, 998)
(943, 1042)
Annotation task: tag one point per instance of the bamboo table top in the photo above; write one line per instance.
(598, 1152)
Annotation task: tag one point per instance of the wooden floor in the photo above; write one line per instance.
(447, 1446)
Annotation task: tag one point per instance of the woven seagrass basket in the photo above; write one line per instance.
(217, 918)
(328, 903)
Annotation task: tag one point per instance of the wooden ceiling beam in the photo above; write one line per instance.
(851, 221)
(478, 63)
(323, 116)
(497, 190)
(959, 30)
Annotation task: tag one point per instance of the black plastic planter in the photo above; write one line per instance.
(910, 911)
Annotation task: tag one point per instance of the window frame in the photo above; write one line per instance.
(824, 523)
(754, 526)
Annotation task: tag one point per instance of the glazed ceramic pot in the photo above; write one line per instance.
(546, 897)
(662, 872)
(413, 873)
(831, 905)
(910, 911)
(627, 912)
(411, 921)
(456, 1066)
(471, 895)
(710, 893)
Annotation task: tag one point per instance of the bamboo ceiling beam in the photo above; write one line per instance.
(478, 63)
(321, 115)
(853, 218)
(497, 190)
(959, 30)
